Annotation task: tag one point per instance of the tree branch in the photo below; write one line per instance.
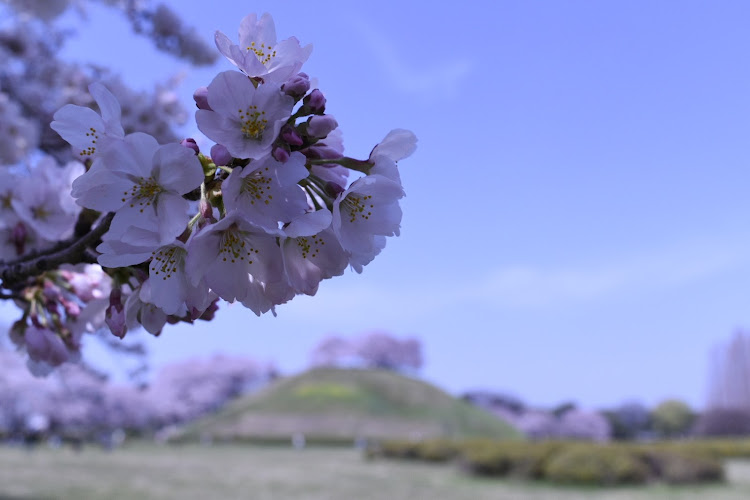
(86, 219)
(74, 252)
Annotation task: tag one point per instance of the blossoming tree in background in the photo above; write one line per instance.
(374, 350)
(126, 227)
(80, 404)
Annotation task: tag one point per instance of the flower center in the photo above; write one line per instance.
(310, 247)
(144, 191)
(6, 200)
(358, 207)
(40, 212)
(264, 53)
(258, 187)
(252, 122)
(91, 149)
(165, 261)
(234, 248)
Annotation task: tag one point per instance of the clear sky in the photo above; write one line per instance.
(577, 219)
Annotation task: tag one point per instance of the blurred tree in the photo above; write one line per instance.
(564, 408)
(629, 420)
(381, 350)
(372, 350)
(332, 351)
(187, 389)
(728, 409)
(672, 418)
(583, 425)
(490, 400)
(78, 404)
(723, 422)
(729, 379)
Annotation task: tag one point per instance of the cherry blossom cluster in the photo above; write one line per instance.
(274, 208)
(46, 240)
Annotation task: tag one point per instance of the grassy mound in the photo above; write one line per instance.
(339, 405)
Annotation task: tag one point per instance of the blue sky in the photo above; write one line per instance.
(577, 220)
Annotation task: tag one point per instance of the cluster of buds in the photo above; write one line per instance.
(59, 307)
(268, 214)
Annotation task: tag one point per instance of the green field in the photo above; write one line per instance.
(146, 471)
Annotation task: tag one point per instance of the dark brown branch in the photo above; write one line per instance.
(74, 252)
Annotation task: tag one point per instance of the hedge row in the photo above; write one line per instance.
(576, 462)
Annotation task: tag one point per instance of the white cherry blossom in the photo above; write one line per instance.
(143, 184)
(364, 213)
(266, 192)
(397, 145)
(89, 132)
(171, 290)
(311, 252)
(116, 253)
(18, 133)
(39, 206)
(233, 253)
(140, 311)
(258, 54)
(245, 119)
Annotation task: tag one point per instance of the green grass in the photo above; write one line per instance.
(341, 405)
(146, 471)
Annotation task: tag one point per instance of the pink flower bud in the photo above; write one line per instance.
(220, 155)
(34, 317)
(205, 208)
(72, 309)
(114, 316)
(297, 86)
(19, 236)
(17, 331)
(201, 98)
(315, 102)
(44, 345)
(320, 126)
(291, 136)
(321, 151)
(190, 144)
(280, 154)
(334, 189)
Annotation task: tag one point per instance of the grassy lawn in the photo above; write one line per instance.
(147, 471)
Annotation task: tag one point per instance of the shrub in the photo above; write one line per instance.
(596, 465)
(687, 468)
(400, 449)
(437, 450)
(521, 460)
